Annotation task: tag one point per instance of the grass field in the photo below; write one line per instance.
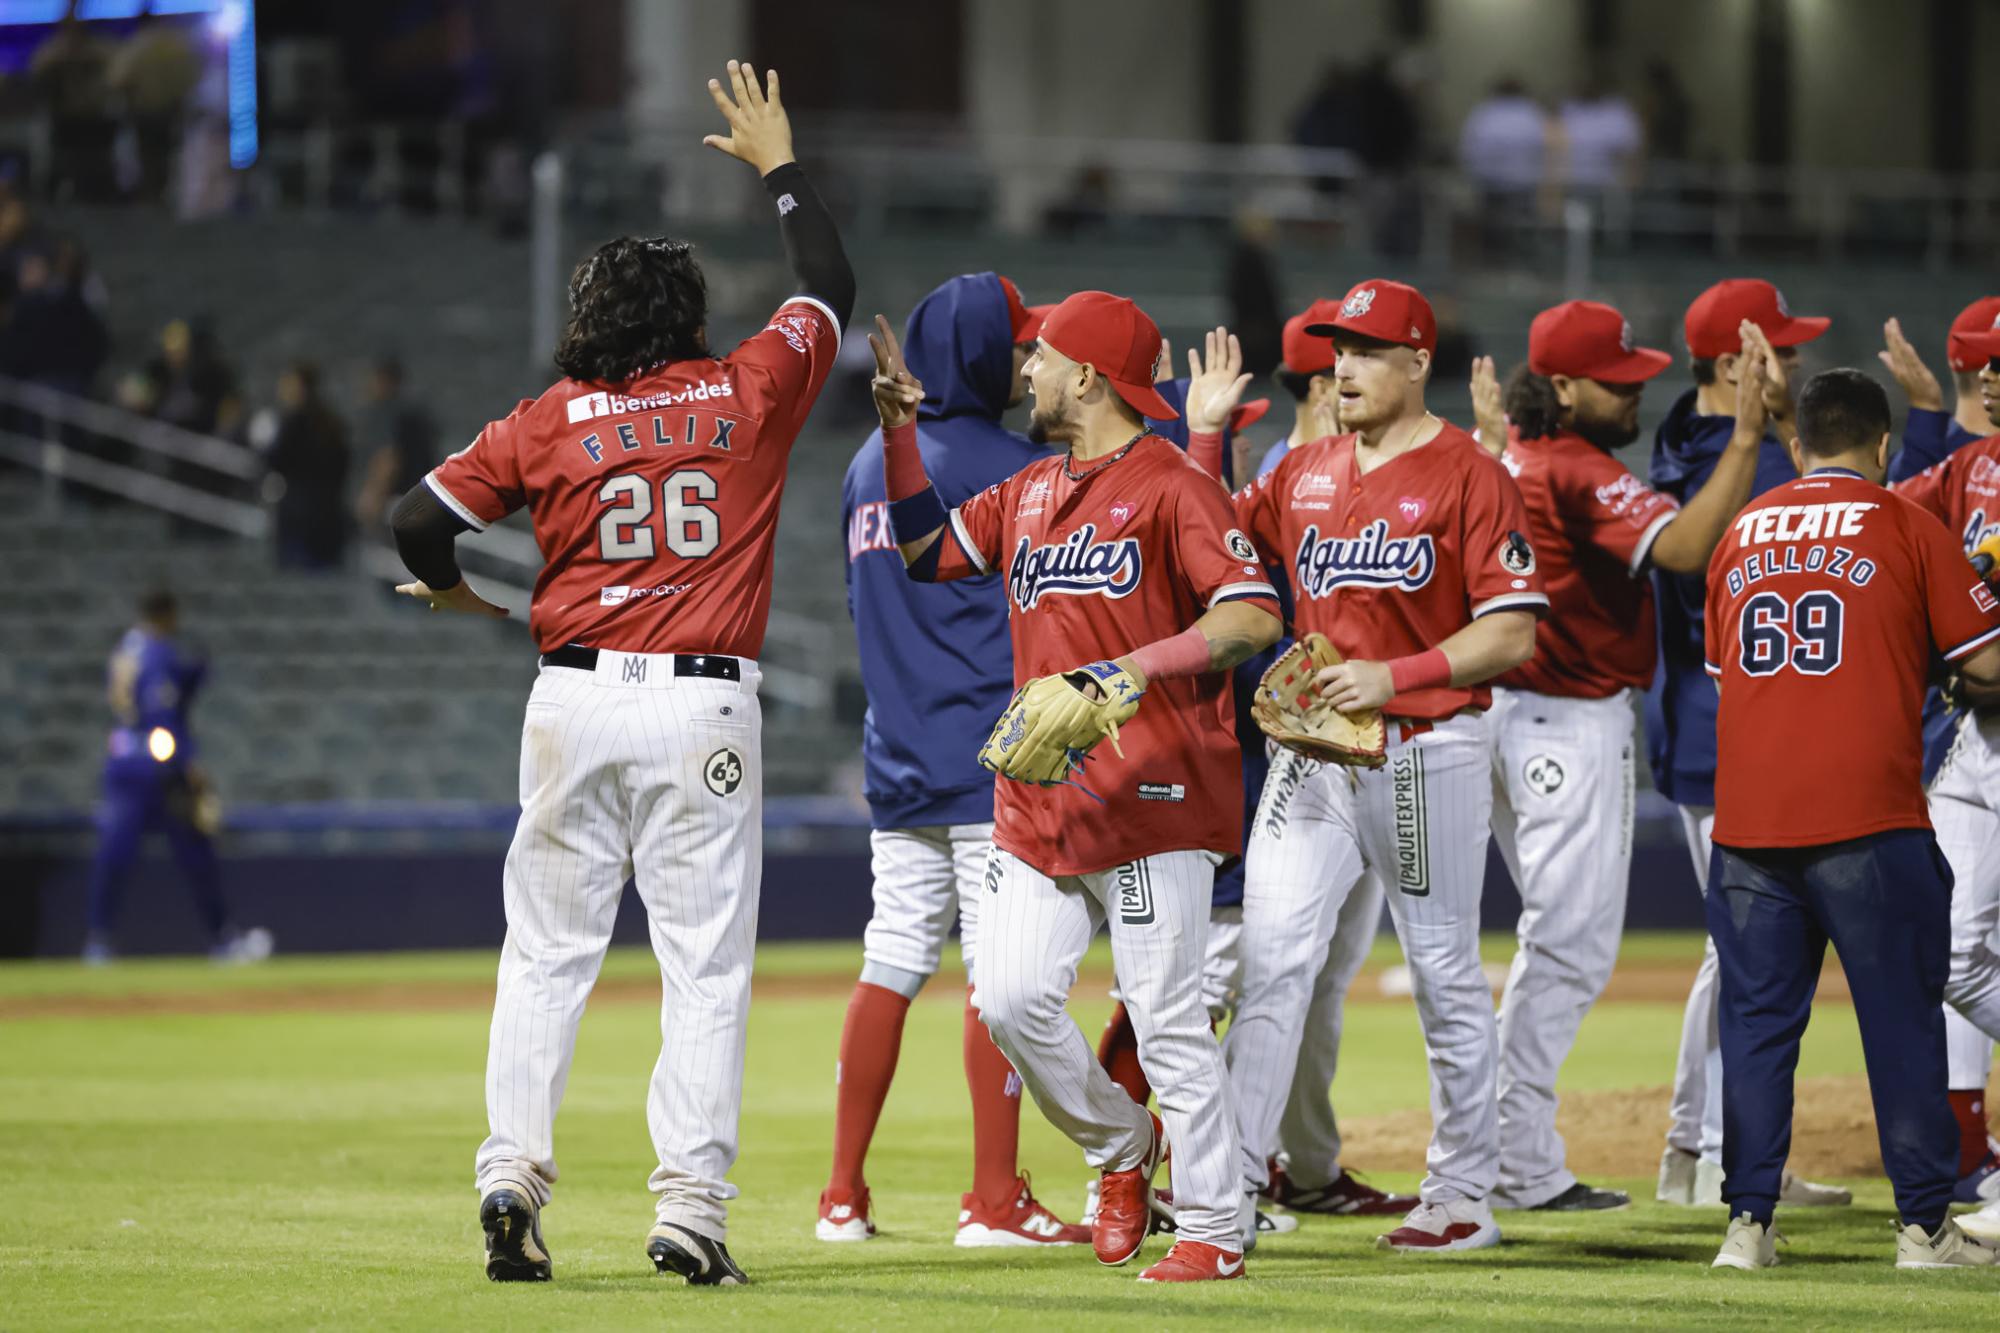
(291, 1146)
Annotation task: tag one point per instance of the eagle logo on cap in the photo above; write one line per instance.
(1996, 321)
(1357, 304)
(1783, 309)
(1625, 336)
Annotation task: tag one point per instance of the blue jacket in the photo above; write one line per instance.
(153, 683)
(1681, 705)
(935, 657)
(1928, 439)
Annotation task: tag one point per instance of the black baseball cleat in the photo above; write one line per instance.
(514, 1249)
(1582, 1198)
(703, 1262)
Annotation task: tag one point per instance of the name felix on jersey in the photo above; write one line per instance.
(627, 434)
(1077, 566)
(1369, 559)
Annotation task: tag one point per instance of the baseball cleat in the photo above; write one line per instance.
(703, 1262)
(1983, 1225)
(1707, 1184)
(844, 1216)
(1951, 1247)
(1578, 1198)
(1022, 1224)
(1750, 1245)
(1981, 1184)
(1676, 1176)
(1089, 1218)
(1438, 1228)
(1347, 1196)
(514, 1249)
(1195, 1261)
(1802, 1193)
(1124, 1199)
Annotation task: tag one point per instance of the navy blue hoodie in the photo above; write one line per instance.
(1681, 706)
(935, 657)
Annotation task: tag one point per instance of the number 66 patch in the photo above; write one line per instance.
(723, 771)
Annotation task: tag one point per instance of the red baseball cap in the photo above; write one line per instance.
(1032, 329)
(1019, 317)
(1118, 340)
(1970, 345)
(1248, 414)
(1712, 321)
(1588, 340)
(1308, 353)
(1390, 312)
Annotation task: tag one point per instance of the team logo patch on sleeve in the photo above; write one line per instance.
(1516, 556)
(1982, 597)
(1240, 547)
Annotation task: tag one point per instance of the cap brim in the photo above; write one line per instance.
(1985, 346)
(1800, 329)
(1145, 399)
(1640, 365)
(1338, 329)
(1030, 327)
(1249, 414)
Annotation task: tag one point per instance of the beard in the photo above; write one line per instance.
(1607, 435)
(1048, 426)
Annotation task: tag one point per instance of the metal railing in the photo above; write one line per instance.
(76, 441)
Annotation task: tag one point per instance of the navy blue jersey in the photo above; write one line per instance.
(935, 657)
(1928, 438)
(1681, 705)
(153, 682)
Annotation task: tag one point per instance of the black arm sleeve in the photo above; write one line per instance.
(812, 243)
(425, 533)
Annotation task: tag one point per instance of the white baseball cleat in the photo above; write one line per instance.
(1676, 1176)
(844, 1217)
(1707, 1184)
(1983, 1225)
(1750, 1245)
(1437, 1228)
(1798, 1192)
(1949, 1248)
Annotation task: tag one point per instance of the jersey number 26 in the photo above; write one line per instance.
(693, 530)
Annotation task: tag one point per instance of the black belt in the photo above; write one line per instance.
(715, 666)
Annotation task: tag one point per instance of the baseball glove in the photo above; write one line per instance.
(1049, 727)
(1289, 710)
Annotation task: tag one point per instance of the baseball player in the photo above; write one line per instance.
(1680, 707)
(1929, 436)
(1307, 375)
(652, 471)
(1964, 492)
(1117, 548)
(937, 666)
(1563, 771)
(1407, 548)
(152, 782)
(1826, 602)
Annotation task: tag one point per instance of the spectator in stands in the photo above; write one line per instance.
(186, 383)
(1504, 148)
(1085, 209)
(1667, 113)
(153, 783)
(1368, 110)
(1602, 140)
(153, 74)
(308, 460)
(52, 335)
(398, 442)
(69, 78)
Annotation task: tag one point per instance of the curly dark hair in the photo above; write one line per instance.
(637, 302)
(1531, 406)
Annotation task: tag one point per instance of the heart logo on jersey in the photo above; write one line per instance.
(1412, 507)
(1122, 512)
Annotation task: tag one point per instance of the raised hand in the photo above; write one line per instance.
(1911, 374)
(460, 598)
(1754, 374)
(1487, 412)
(1216, 385)
(1771, 381)
(897, 392)
(760, 132)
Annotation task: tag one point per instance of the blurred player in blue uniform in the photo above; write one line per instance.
(152, 783)
(938, 667)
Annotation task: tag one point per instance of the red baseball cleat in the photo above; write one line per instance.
(1022, 1223)
(1195, 1261)
(1345, 1197)
(844, 1216)
(1436, 1228)
(1124, 1199)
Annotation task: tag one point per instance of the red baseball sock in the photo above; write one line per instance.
(996, 1114)
(869, 1043)
(1969, 1105)
(1118, 1052)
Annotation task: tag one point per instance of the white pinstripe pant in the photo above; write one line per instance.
(662, 776)
(1033, 931)
(1308, 1132)
(1420, 823)
(925, 879)
(1965, 811)
(1695, 1110)
(1563, 777)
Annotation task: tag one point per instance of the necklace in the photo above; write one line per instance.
(1425, 420)
(1121, 451)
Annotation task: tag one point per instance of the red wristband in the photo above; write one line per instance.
(902, 462)
(1185, 654)
(1420, 671)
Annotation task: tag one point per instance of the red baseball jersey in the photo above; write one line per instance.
(1826, 602)
(1592, 524)
(1963, 491)
(1133, 550)
(1397, 561)
(654, 505)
